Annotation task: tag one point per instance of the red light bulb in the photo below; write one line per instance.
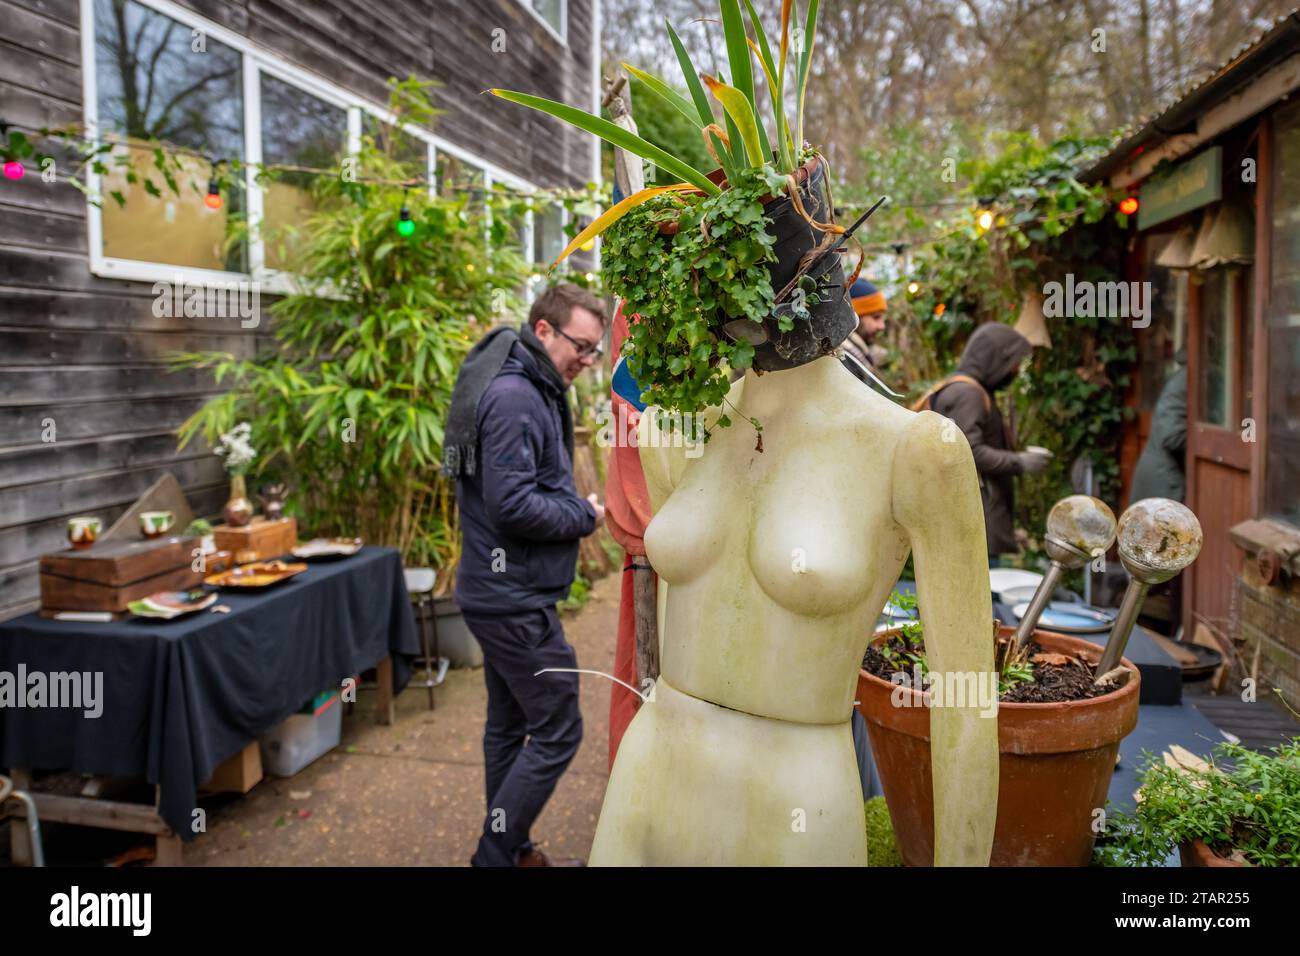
(14, 169)
(213, 199)
(1128, 205)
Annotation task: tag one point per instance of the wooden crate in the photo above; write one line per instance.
(267, 539)
(112, 574)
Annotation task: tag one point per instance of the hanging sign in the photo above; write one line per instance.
(1189, 185)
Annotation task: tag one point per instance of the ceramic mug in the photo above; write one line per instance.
(156, 523)
(82, 531)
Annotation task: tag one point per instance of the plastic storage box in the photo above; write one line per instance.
(302, 738)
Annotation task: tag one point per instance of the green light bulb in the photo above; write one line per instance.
(405, 226)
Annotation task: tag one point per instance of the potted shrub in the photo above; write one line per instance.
(727, 268)
(1240, 809)
(1058, 738)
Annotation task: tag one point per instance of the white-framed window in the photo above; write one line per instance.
(554, 14)
(155, 70)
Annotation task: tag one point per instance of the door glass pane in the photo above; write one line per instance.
(1216, 373)
(297, 130)
(1160, 342)
(152, 84)
(1282, 466)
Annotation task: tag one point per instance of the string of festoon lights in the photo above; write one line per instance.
(986, 212)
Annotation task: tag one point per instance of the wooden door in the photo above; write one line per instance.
(1219, 439)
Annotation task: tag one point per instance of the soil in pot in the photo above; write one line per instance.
(1057, 677)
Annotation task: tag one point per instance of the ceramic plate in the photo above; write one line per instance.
(166, 605)
(327, 549)
(1070, 618)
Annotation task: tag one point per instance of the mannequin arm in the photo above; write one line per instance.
(936, 499)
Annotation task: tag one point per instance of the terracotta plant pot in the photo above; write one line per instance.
(1198, 853)
(1055, 765)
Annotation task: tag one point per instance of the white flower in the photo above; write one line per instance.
(236, 449)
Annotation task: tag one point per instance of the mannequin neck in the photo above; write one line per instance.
(768, 392)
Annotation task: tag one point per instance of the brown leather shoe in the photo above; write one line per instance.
(536, 857)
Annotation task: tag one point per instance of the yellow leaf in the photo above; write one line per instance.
(613, 214)
(738, 108)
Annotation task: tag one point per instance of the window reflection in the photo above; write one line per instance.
(157, 81)
(298, 130)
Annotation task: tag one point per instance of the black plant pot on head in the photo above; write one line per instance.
(831, 318)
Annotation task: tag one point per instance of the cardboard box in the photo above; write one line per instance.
(239, 774)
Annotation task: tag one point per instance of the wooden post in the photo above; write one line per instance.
(385, 711)
(647, 634)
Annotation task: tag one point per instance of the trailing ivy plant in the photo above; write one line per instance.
(684, 286)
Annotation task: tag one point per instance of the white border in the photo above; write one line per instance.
(560, 36)
(255, 60)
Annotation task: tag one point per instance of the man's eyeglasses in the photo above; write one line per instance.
(583, 349)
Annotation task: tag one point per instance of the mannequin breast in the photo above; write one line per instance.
(778, 562)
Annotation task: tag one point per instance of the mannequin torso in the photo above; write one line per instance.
(774, 566)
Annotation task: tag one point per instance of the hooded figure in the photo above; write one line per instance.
(989, 363)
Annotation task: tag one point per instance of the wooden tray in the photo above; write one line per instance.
(260, 574)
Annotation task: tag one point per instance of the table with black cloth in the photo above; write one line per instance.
(181, 696)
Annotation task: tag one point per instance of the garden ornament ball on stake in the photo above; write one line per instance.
(1078, 527)
(1158, 537)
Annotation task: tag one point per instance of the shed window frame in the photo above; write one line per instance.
(255, 60)
(561, 33)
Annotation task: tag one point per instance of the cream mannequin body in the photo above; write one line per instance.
(774, 566)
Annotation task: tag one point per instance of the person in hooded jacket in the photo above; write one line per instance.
(990, 362)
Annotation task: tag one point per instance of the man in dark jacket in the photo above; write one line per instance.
(990, 363)
(509, 442)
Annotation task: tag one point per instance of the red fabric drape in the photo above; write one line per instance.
(627, 512)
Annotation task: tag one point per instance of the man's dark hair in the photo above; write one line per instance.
(555, 305)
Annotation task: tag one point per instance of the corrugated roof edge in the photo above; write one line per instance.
(1277, 42)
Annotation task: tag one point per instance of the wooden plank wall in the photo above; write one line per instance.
(88, 353)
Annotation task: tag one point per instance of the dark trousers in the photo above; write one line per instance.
(533, 724)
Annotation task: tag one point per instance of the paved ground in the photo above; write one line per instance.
(406, 795)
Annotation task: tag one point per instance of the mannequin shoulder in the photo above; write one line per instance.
(931, 448)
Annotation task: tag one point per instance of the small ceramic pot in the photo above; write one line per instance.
(82, 531)
(154, 524)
